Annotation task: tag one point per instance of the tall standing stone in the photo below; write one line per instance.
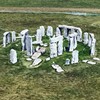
(71, 41)
(58, 31)
(6, 38)
(60, 45)
(74, 40)
(29, 47)
(93, 47)
(23, 35)
(85, 41)
(42, 30)
(49, 31)
(13, 56)
(13, 36)
(91, 37)
(53, 47)
(38, 36)
(79, 35)
(75, 56)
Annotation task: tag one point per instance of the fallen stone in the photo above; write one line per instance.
(45, 44)
(36, 55)
(57, 68)
(36, 62)
(47, 59)
(91, 62)
(41, 50)
(95, 58)
(28, 59)
(85, 61)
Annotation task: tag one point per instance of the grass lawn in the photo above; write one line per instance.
(51, 3)
(78, 82)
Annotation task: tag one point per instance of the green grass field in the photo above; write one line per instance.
(51, 3)
(78, 82)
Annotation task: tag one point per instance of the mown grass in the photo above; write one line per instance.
(78, 82)
(51, 3)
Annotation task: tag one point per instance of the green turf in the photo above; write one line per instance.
(51, 3)
(78, 82)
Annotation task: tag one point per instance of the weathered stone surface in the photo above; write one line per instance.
(13, 56)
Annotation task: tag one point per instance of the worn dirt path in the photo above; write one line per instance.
(47, 9)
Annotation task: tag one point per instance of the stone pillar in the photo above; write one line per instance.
(85, 41)
(13, 56)
(6, 38)
(39, 36)
(91, 36)
(29, 47)
(23, 35)
(4, 41)
(79, 35)
(13, 36)
(53, 50)
(49, 31)
(65, 32)
(42, 30)
(75, 40)
(53, 47)
(93, 47)
(58, 31)
(75, 56)
(60, 45)
(71, 41)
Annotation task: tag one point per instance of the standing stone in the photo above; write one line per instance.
(49, 31)
(23, 35)
(85, 38)
(79, 35)
(6, 38)
(67, 62)
(13, 56)
(60, 45)
(91, 37)
(58, 31)
(42, 30)
(39, 36)
(75, 40)
(75, 56)
(65, 32)
(29, 47)
(53, 47)
(71, 41)
(93, 47)
(13, 36)
(53, 50)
